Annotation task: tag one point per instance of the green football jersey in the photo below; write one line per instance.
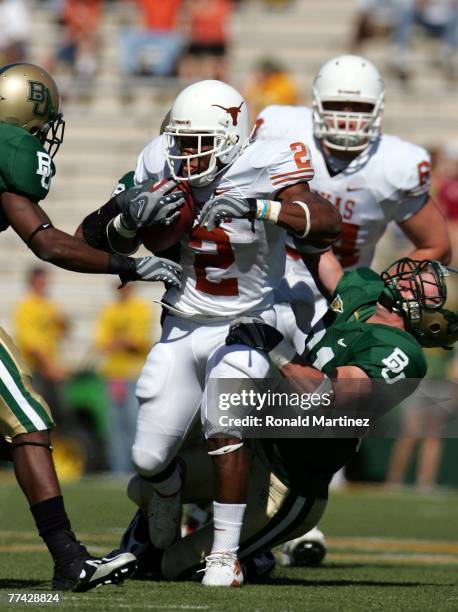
(343, 337)
(124, 183)
(25, 166)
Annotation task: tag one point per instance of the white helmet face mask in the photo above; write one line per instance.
(353, 80)
(213, 117)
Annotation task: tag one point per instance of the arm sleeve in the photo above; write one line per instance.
(95, 225)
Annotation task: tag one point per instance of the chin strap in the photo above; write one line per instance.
(388, 302)
(43, 444)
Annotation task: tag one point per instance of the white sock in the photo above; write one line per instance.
(170, 485)
(227, 524)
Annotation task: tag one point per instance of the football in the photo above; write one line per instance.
(161, 237)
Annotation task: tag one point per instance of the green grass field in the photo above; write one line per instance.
(387, 551)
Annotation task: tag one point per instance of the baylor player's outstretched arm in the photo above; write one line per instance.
(49, 243)
(350, 384)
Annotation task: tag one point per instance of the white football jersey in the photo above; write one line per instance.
(232, 269)
(388, 181)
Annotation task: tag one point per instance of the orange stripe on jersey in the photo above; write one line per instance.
(292, 253)
(307, 165)
(307, 176)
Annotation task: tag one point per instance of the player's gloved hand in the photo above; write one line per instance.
(151, 269)
(150, 202)
(254, 332)
(223, 207)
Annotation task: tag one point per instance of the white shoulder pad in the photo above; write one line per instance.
(151, 161)
(277, 121)
(406, 167)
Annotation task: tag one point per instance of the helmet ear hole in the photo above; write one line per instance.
(435, 328)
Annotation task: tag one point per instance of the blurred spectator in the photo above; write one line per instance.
(447, 194)
(208, 36)
(79, 46)
(438, 19)
(270, 84)
(277, 5)
(40, 327)
(155, 46)
(374, 18)
(123, 334)
(424, 418)
(14, 30)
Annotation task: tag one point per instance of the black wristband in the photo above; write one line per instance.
(123, 266)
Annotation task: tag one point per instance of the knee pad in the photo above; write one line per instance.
(148, 462)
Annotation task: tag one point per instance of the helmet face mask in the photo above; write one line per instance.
(199, 167)
(31, 100)
(419, 292)
(212, 119)
(347, 82)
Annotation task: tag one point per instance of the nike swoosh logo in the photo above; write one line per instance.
(355, 189)
(221, 191)
(341, 342)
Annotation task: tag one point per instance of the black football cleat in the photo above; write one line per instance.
(136, 540)
(86, 573)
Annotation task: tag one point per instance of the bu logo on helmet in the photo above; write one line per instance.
(39, 94)
(233, 111)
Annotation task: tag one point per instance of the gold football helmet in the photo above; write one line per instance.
(420, 292)
(29, 98)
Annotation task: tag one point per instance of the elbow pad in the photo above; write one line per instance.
(94, 226)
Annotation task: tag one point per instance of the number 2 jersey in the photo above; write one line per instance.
(344, 338)
(388, 181)
(25, 167)
(233, 269)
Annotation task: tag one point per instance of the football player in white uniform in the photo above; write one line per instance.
(249, 195)
(372, 178)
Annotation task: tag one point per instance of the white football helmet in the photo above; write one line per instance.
(348, 78)
(206, 109)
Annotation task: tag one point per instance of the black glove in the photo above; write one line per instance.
(144, 205)
(254, 332)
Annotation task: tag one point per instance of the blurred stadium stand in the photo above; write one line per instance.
(108, 125)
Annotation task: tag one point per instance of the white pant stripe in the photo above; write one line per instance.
(20, 399)
(287, 520)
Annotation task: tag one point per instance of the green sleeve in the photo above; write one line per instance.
(393, 357)
(27, 168)
(124, 183)
(357, 279)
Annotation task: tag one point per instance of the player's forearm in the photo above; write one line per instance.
(65, 251)
(312, 217)
(326, 271)
(440, 252)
